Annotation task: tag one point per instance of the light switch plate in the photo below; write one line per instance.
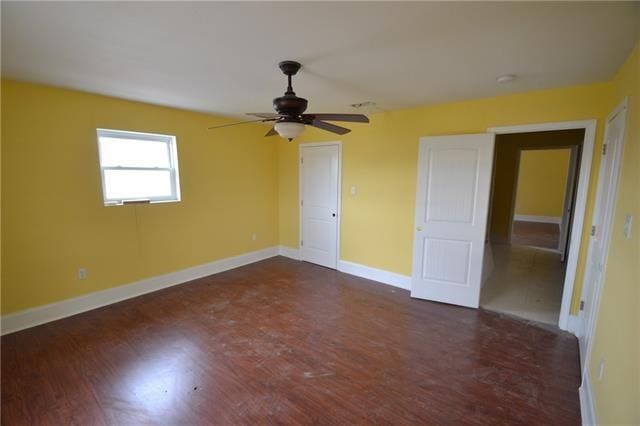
(601, 369)
(628, 220)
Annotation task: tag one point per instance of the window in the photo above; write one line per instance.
(138, 167)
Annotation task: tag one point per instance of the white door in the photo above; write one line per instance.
(319, 196)
(568, 203)
(602, 222)
(454, 177)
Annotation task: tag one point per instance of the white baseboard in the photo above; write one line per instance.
(43, 314)
(380, 275)
(587, 407)
(572, 325)
(550, 250)
(540, 219)
(292, 253)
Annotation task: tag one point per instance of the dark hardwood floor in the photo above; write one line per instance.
(288, 342)
(534, 234)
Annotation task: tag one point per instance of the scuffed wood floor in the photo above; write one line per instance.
(545, 235)
(288, 342)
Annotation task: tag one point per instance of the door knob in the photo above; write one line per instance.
(419, 228)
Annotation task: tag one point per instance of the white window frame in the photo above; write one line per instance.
(170, 142)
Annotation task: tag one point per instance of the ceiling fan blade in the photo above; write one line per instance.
(329, 127)
(271, 132)
(352, 118)
(262, 120)
(264, 114)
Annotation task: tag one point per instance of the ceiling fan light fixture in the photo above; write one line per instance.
(289, 129)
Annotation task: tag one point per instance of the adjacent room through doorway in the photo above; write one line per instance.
(534, 185)
(545, 185)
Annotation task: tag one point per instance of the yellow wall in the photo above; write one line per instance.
(53, 217)
(542, 180)
(0, 201)
(617, 338)
(381, 160)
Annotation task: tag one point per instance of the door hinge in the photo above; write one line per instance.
(604, 149)
(582, 305)
(302, 202)
(301, 160)
(301, 243)
(593, 230)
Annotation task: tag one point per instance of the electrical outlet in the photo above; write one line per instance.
(254, 237)
(82, 273)
(601, 369)
(354, 190)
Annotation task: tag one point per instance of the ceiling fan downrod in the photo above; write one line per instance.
(290, 106)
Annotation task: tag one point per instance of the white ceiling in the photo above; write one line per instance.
(222, 57)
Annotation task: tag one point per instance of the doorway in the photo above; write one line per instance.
(320, 172)
(457, 221)
(535, 225)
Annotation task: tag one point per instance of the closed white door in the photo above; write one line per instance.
(602, 222)
(319, 195)
(454, 177)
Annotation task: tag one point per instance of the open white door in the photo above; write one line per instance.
(568, 203)
(454, 179)
(319, 201)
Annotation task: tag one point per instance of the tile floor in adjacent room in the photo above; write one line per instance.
(526, 282)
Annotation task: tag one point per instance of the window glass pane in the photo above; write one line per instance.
(133, 153)
(127, 184)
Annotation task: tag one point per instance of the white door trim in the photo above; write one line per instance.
(587, 326)
(300, 186)
(586, 157)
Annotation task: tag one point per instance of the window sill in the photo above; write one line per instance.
(135, 202)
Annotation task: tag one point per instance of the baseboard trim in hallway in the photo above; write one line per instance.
(538, 219)
(42, 314)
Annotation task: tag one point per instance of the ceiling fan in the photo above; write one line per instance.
(290, 119)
